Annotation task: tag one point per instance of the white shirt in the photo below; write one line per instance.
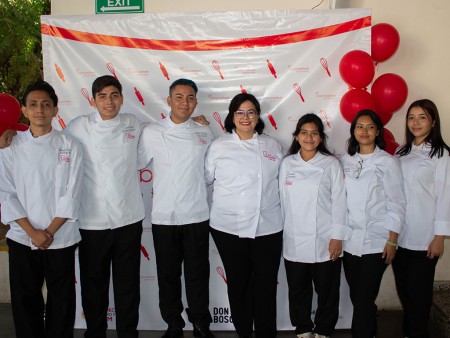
(42, 180)
(314, 207)
(178, 153)
(111, 194)
(427, 189)
(375, 201)
(245, 199)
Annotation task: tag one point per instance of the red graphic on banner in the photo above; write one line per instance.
(218, 119)
(207, 45)
(324, 64)
(272, 69)
(163, 116)
(85, 93)
(323, 115)
(164, 71)
(139, 96)
(243, 91)
(298, 90)
(61, 121)
(145, 252)
(111, 68)
(216, 66)
(221, 274)
(60, 73)
(272, 121)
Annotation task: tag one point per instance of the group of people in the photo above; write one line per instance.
(363, 211)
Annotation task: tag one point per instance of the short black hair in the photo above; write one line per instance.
(183, 82)
(103, 82)
(43, 86)
(235, 104)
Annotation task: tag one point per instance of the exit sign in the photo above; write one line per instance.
(119, 6)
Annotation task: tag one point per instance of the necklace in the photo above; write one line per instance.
(35, 136)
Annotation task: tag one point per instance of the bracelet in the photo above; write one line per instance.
(49, 233)
(392, 243)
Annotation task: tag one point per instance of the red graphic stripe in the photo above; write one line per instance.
(206, 45)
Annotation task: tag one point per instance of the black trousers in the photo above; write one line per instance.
(251, 267)
(99, 252)
(326, 277)
(175, 246)
(364, 275)
(27, 271)
(414, 278)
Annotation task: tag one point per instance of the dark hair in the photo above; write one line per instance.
(183, 82)
(352, 143)
(105, 81)
(309, 118)
(40, 85)
(434, 138)
(234, 106)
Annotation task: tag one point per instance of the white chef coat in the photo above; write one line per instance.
(42, 180)
(178, 153)
(313, 205)
(375, 201)
(111, 194)
(245, 200)
(426, 183)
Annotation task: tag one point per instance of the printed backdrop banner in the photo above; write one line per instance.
(288, 59)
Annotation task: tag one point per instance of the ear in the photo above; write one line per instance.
(24, 111)
(93, 103)
(169, 101)
(56, 111)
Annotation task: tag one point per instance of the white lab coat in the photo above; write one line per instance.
(178, 153)
(313, 205)
(42, 180)
(245, 199)
(111, 193)
(427, 189)
(375, 201)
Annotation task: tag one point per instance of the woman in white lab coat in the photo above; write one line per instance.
(376, 208)
(425, 164)
(245, 220)
(314, 208)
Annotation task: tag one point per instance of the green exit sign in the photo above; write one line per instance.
(119, 6)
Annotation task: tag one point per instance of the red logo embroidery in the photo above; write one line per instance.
(288, 182)
(202, 140)
(269, 156)
(64, 158)
(130, 136)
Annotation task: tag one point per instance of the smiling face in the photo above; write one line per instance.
(309, 139)
(40, 110)
(182, 102)
(419, 124)
(108, 102)
(365, 133)
(245, 119)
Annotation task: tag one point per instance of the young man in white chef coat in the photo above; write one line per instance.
(180, 211)
(40, 189)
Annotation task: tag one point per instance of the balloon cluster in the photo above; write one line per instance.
(10, 114)
(388, 92)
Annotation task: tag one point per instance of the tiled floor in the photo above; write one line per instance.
(389, 326)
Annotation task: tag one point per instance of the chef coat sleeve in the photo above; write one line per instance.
(145, 154)
(341, 230)
(442, 185)
(210, 164)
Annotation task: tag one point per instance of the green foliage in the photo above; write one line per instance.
(20, 43)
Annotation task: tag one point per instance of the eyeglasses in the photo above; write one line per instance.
(251, 114)
(357, 172)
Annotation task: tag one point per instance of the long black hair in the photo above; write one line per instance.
(353, 144)
(309, 118)
(235, 104)
(434, 138)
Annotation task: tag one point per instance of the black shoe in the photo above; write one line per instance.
(202, 332)
(173, 333)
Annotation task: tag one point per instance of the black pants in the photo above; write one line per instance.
(364, 275)
(27, 271)
(414, 278)
(326, 277)
(188, 245)
(251, 268)
(101, 250)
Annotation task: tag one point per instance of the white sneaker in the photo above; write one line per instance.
(320, 336)
(305, 335)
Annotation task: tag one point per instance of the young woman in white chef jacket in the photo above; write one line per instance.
(425, 164)
(376, 208)
(314, 208)
(245, 220)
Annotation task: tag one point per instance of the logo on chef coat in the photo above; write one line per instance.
(202, 138)
(130, 132)
(64, 156)
(269, 156)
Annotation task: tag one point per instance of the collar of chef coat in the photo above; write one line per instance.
(236, 136)
(98, 118)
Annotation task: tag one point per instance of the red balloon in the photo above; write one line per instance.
(20, 127)
(391, 146)
(357, 69)
(388, 136)
(385, 41)
(390, 92)
(354, 101)
(385, 117)
(9, 110)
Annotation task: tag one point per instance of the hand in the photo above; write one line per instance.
(6, 138)
(389, 253)
(335, 249)
(436, 247)
(41, 239)
(201, 119)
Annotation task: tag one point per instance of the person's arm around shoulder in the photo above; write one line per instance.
(6, 138)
